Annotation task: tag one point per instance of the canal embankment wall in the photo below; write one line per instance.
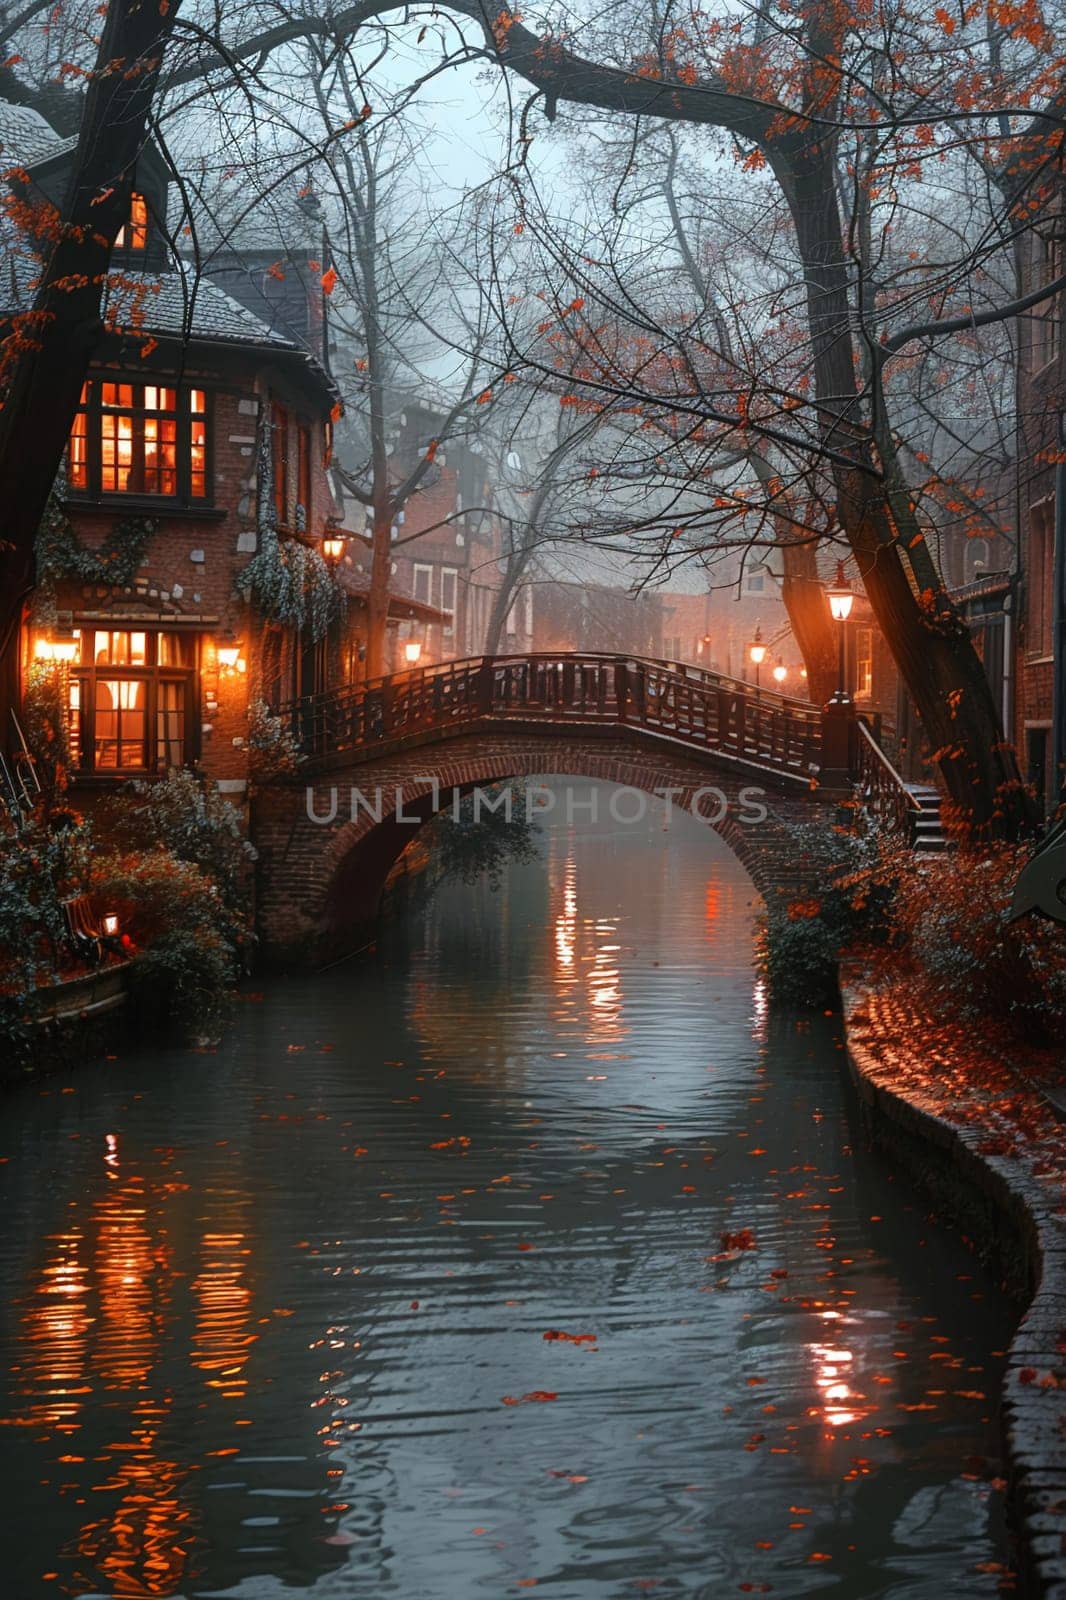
(1013, 1219)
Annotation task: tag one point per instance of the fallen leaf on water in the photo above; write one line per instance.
(525, 1399)
(570, 1338)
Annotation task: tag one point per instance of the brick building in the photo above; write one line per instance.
(196, 413)
(1037, 598)
(446, 541)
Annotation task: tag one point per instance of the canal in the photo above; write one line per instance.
(529, 1253)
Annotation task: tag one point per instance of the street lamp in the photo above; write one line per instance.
(841, 598)
(780, 672)
(757, 654)
(412, 652)
(332, 548)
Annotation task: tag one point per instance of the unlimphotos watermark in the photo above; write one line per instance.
(623, 805)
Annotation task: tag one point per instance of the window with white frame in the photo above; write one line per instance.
(1040, 580)
(755, 580)
(1047, 322)
(422, 582)
(449, 582)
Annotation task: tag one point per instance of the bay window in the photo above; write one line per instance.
(140, 439)
(132, 701)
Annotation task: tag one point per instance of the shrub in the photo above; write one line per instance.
(185, 941)
(941, 920)
(272, 746)
(950, 915)
(803, 942)
(41, 865)
(189, 818)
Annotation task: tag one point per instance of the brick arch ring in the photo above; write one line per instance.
(324, 859)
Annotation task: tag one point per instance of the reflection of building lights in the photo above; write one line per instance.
(222, 1336)
(842, 1404)
(759, 1008)
(566, 921)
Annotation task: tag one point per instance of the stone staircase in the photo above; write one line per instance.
(927, 830)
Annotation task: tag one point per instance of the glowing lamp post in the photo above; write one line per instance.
(780, 673)
(333, 548)
(841, 598)
(412, 652)
(838, 717)
(757, 654)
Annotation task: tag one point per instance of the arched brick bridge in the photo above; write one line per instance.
(406, 744)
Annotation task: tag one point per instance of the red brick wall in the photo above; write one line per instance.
(198, 594)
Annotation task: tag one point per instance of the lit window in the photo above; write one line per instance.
(140, 439)
(133, 235)
(864, 663)
(131, 698)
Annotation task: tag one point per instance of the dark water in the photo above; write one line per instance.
(275, 1317)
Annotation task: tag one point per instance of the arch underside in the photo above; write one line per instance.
(322, 880)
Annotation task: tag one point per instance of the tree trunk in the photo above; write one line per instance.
(801, 592)
(47, 353)
(929, 641)
(504, 599)
(808, 615)
(377, 663)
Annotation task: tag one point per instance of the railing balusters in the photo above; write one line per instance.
(702, 708)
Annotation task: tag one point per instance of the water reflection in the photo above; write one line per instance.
(536, 1254)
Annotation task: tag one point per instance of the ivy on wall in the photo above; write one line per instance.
(287, 582)
(61, 554)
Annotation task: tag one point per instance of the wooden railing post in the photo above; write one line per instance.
(621, 690)
(838, 748)
(486, 676)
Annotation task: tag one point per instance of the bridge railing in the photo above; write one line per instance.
(880, 789)
(695, 707)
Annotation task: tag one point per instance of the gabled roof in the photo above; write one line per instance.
(180, 304)
(177, 303)
(25, 137)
